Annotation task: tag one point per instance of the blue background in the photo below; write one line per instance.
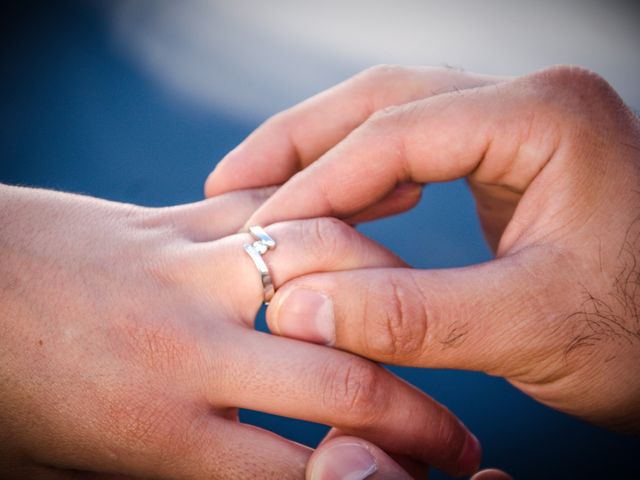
(76, 116)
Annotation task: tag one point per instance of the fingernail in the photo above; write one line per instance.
(347, 461)
(307, 315)
(471, 455)
(492, 474)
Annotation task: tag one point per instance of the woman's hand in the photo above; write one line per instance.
(553, 160)
(128, 344)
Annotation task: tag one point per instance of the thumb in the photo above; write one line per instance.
(501, 315)
(354, 459)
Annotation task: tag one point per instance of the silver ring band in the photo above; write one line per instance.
(255, 250)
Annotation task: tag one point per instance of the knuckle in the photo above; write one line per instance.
(168, 270)
(160, 223)
(578, 107)
(353, 389)
(166, 259)
(397, 323)
(577, 89)
(325, 238)
(140, 421)
(278, 122)
(281, 125)
(569, 77)
(155, 345)
(161, 349)
(377, 81)
(382, 74)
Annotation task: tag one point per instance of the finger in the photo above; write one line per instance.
(322, 385)
(404, 197)
(308, 246)
(483, 130)
(352, 457)
(218, 448)
(193, 444)
(491, 474)
(295, 138)
(214, 217)
(414, 468)
(496, 317)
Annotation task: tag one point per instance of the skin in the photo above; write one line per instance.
(553, 161)
(342, 456)
(128, 344)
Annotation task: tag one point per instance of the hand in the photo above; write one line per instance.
(553, 160)
(127, 345)
(296, 138)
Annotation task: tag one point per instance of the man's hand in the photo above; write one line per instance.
(294, 139)
(343, 457)
(553, 160)
(128, 344)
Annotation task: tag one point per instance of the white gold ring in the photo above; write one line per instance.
(255, 250)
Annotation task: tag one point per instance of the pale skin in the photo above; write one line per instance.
(553, 161)
(128, 344)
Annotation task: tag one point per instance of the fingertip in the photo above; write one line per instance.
(491, 474)
(352, 458)
(214, 184)
(471, 455)
(222, 178)
(260, 217)
(209, 185)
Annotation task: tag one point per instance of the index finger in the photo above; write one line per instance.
(295, 138)
(437, 139)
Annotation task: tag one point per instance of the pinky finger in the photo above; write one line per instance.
(216, 448)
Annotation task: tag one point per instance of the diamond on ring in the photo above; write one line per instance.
(255, 250)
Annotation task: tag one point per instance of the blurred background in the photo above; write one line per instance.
(136, 100)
